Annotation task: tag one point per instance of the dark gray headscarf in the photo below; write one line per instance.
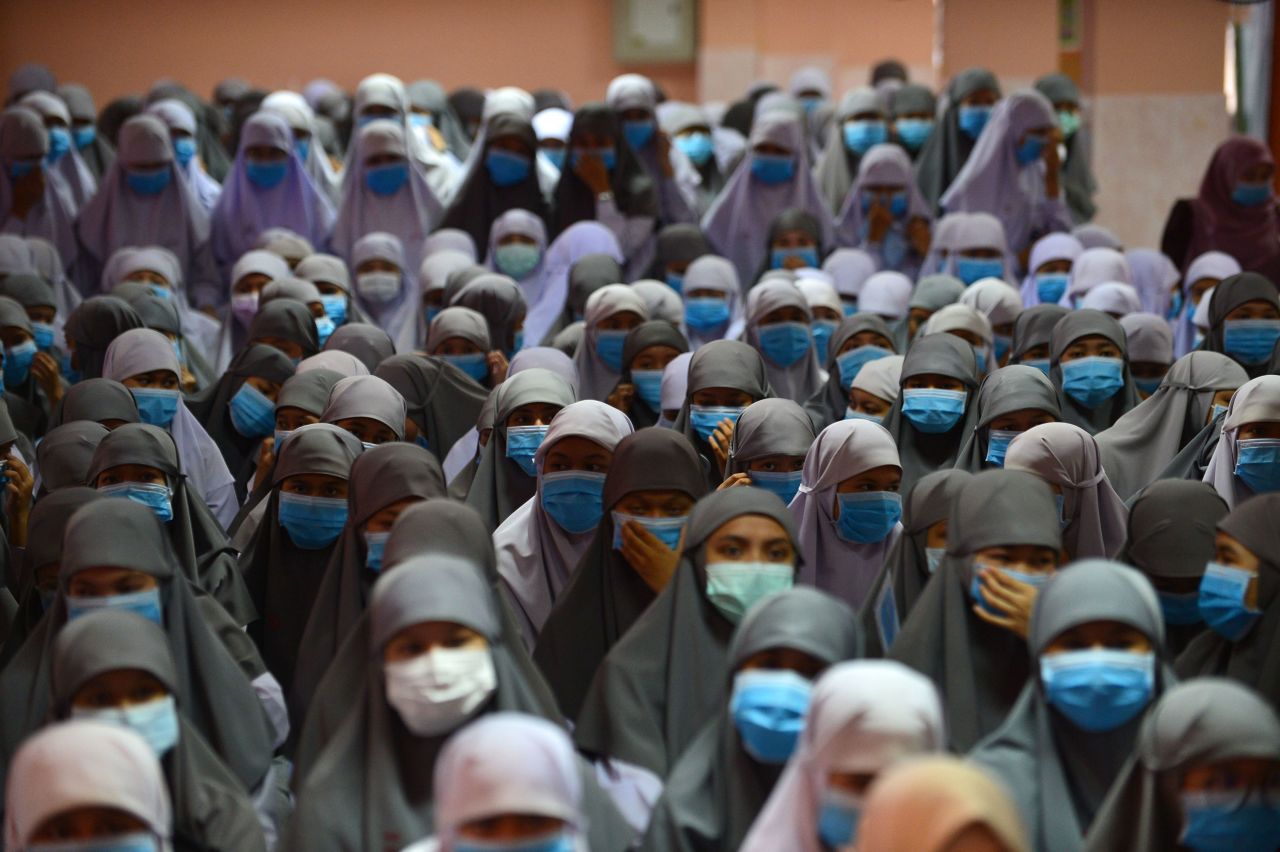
(99, 154)
(428, 95)
(1034, 327)
(663, 680)
(1231, 293)
(640, 338)
(830, 403)
(64, 454)
(948, 147)
(1057, 773)
(605, 595)
(1008, 389)
(371, 344)
(837, 165)
(979, 668)
(587, 275)
(716, 788)
(1085, 323)
(210, 807)
(98, 400)
(921, 453)
(1078, 185)
(91, 328)
(680, 243)
(1195, 724)
(906, 567)
(287, 320)
(769, 427)
(442, 401)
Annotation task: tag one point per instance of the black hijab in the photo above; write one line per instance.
(91, 328)
(634, 193)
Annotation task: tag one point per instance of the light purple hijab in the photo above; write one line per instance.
(536, 287)
(843, 450)
(1093, 267)
(1050, 247)
(71, 167)
(884, 165)
(980, 231)
(992, 181)
(1211, 264)
(1154, 275)
(802, 379)
(574, 243)
(22, 136)
(737, 225)
(451, 238)
(712, 272)
(1256, 400)
(597, 379)
(245, 211)
(942, 246)
(299, 115)
(178, 116)
(199, 329)
(535, 555)
(398, 315)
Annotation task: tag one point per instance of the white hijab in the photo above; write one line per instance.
(1256, 400)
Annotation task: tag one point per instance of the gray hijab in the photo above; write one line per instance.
(664, 679)
(1008, 389)
(979, 668)
(767, 428)
(948, 147)
(837, 165)
(366, 397)
(921, 453)
(832, 400)
(716, 789)
(371, 344)
(64, 454)
(441, 400)
(1057, 773)
(1084, 323)
(1034, 327)
(802, 379)
(1194, 724)
(1148, 437)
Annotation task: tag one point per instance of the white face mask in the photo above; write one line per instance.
(437, 691)
(378, 286)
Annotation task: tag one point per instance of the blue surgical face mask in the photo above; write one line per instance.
(706, 314)
(84, 136)
(808, 256)
(850, 362)
(675, 281)
(821, 331)
(374, 544)
(609, 343)
(160, 291)
(573, 498)
(1251, 194)
(266, 174)
(980, 358)
(156, 406)
(1222, 600)
(1180, 609)
(474, 364)
(1050, 286)
(280, 435)
(253, 414)
(773, 168)
(516, 259)
(555, 156)
(1002, 343)
(868, 516)
(649, 386)
(59, 144)
(933, 558)
(933, 411)
(638, 133)
(312, 522)
(786, 484)
(1098, 689)
(1030, 150)
(974, 269)
(145, 603)
(156, 496)
(785, 343)
(67, 369)
(768, 708)
(810, 104)
(839, 813)
(608, 156)
(698, 147)
(1175, 306)
(860, 135)
(518, 344)
(734, 587)
(388, 179)
(522, 445)
(1250, 341)
(324, 328)
(148, 182)
(913, 132)
(1041, 364)
(851, 414)
(998, 444)
(1092, 381)
(1258, 464)
(419, 119)
(850, 305)
(557, 841)
(335, 307)
(184, 150)
(156, 721)
(705, 418)
(17, 362)
(44, 335)
(666, 530)
(1148, 386)
(897, 203)
(19, 169)
(972, 119)
(507, 168)
(302, 147)
(1226, 820)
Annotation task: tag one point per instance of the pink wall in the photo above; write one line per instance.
(121, 46)
(1017, 39)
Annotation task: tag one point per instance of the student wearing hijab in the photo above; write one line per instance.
(726, 774)
(912, 109)
(90, 783)
(932, 293)
(330, 275)
(884, 213)
(935, 411)
(1205, 757)
(541, 542)
(775, 179)
(429, 110)
(1234, 211)
(1097, 644)
(712, 151)
(651, 487)
(250, 274)
(663, 681)
(1078, 184)
(34, 203)
(851, 733)
(29, 375)
(441, 402)
(181, 121)
(307, 135)
(116, 668)
(497, 298)
(1092, 268)
(1203, 275)
(1000, 303)
(367, 407)
(970, 326)
(384, 287)
(646, 351)
(1243, 462)
(1049, 269)
(95, 151)
(63, 160)
(712, 296)
(1150, 344)
(1138, 449)
(99, 400)
(1244, 321)
(1170, 539)
(967, 632)
(517, 242)
(677, 246)
(364, 340)
(1010, 401)
(768, 448)
(968, 100)
(859, 123)
(62, 458)
(435, 657)
(724, 377)
(611, 313)
(90, 329)
(633, 99)
(778, 326)
(1089, 366)
(47, 263)
(1032, 335)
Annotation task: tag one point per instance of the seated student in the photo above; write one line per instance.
(999, 302)
(1203, 275)
(611, 312)
(859, 339)
(1049, 269)
(1011, 400)
(30, 371)
(712, 301)
(852, 731)
(1244, 462)
(778, 327)
(1099, 658)
(967, 632)
(646, 351)
(1207, 757)
(856, 125)
(634, 99)
(875, 389)
(518, 249)
(370, 344)
(776, 659)
(367, 407)
(1244, 321)
(768, 448)
(36, 206)
(884, 213)
(971, 326)
(1032, 334)
(1089, 367)
(969, 98)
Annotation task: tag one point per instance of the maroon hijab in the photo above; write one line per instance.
(1249, 234)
